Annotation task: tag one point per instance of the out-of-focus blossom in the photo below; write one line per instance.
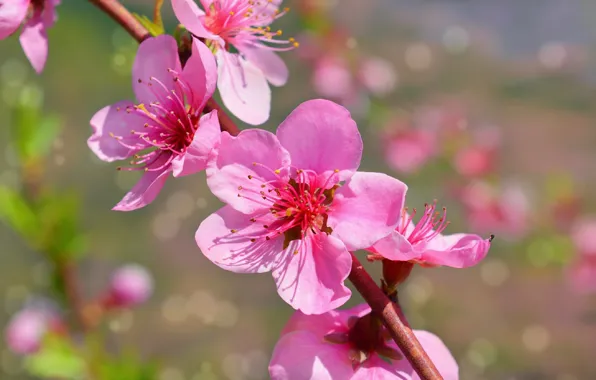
(479, 158)
(332, 78)
(36, 17)
(407, 151)
(164, 133)
(243, 76)
(27, 328)
(424, 243)
(131, 285)
(296, 205)
(582, 274)
(345, 345)
(583, 235)
(377, 75)
(503, 211)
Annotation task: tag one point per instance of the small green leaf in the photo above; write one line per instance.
(17, 214)
(153, 28)
(56, 358)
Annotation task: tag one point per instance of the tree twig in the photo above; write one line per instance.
(389, 313)
(380, 304)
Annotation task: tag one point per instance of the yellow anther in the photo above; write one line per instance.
(289, 211)
(277, 171)
(296, 44)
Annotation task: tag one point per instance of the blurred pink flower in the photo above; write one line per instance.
(332, 78)
(165, 132)
(330, 346)
(504, 212)
(36, 16)
(27, 328)
(289, 211)
(583, 235)
(243, 25)
(408, 149)
(424, 244)
(131, 285)
(582, 274)
(479, 158)
(377, 75)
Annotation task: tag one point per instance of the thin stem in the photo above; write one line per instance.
(123, 17)
(399, 329)
(67, 273)
(374, 296)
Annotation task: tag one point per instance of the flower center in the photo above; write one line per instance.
(295, 207)
(366, 336)
(245, 22)
(169, 128)
(431, 224)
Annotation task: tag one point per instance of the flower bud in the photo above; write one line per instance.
(131, 285)
(26, 330)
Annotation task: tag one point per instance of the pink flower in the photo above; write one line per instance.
(505, 211)
(479, 158)
(296, 205)
(407, 151)
(332, 79)
(27, 328)
(131, 285)
(244, 26)
(165, 131)
(582, 274)
(36, 16)
(583, 235)
(424, 243)
(378, 76)
(336, 346)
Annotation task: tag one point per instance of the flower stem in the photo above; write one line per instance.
(123, 17)
(390, 313)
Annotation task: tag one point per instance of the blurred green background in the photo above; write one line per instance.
(527, 67)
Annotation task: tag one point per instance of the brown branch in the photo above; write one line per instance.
(123, 17)
(374, 296)
(67, 273)
(389, 313)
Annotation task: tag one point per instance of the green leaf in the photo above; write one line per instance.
(58, 215)
(153, 28)
(33, 134)
(129, 366)
(18, 215)
(56, 358)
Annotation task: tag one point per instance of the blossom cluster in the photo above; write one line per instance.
(296, 204)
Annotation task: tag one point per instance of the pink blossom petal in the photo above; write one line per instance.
(457, 250)
(34, 41)
(321, 135)
(144, 192)
(200, 73)
(323, 324)
(439, 354)
(302, 355)
(12, 14)
(366, 209)
(114, 120)
(155, 56)
(196, 155)
(243, 88)
(396, 247)
(190, 15)
(268, 62)
(234, 167)
(234, 251)
(312, 280)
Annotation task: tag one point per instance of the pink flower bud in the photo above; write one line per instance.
(26, 330)
(131, 285)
